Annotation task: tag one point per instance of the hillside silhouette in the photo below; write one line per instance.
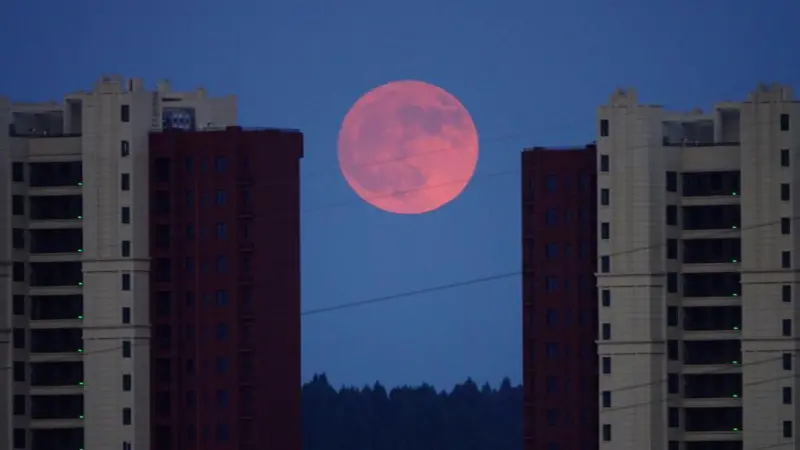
(411, 418)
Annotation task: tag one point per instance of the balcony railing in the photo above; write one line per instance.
(689, 143)
(38, 134)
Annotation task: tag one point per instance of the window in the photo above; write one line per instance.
(605, 230)
(672, 282)
(551, 250)
(604, 128)
(785, 192)
(605, 297)
(786, 225)
(126, 382)
(19, 405)
(552, 183)
(604, 163)
(606, 365)
(221, 164)
(127, 446)
(19, 371)
(126, 249)
(550, 216)
(18, 205)
(21, 437)
(786, 327)
(786, 259)
(787, 395)
(18, 269)
(124, 148)
(673, 352)
(222, 264)
(787, 428)
(18, 307)
(125, 182)
(222, 230)
(222, 365)
(550, 316)
(222, 432)
(222, 331)
(18, 238)
(188, 264)
(188, 164)
(552, 385)
(606, 333)
(605, 197)
(605, 264)
(785, 122)
(673, 383)
(126, 416)
(551, 349)
(125, 113)
(126, 214)
(672, 182)
(552, 417)
(785, 157)
(606, 433)
(674, 417)
(221, 197)
(672, 316)
(222, 297)
(787, 361)
(126, 315)
(126, 349)
(786, 293)
(18, 337)
(672, 249)
(126, 282)
(606, 399)
(551, 284)
(672, 215)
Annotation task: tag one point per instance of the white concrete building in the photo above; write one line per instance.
(74, 267)
(698, 274)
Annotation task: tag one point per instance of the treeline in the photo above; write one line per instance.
(411, 418)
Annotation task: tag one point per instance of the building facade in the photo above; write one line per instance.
(225, 289)
(76, 268)
(559, 309)
(698, 274)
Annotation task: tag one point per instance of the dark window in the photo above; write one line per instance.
(18, 238)
(162, 168)
(606, 433)
(673, 383)
(125, 182)
(605, 297)
(19, 371)
(222, 433)
(124, 148)
(672, 215)
(674, 417)
(672, 282)
(551, 250)
(17, 172)
(606, 363)
(19, 405)
(552, 417)
(605, 197)
(126, 282)
(125, 113)
(785, 157)
(18, 269)
(787, 428)
(672, 249)
(672, 316)
(787, 395)
(188, 164)
(604, 163)
(126, 249)
(786, 327)
(126, 214)
(126, 416)
(606, 399)
(786, 293)
(18, 205)
(221, 164)
(786, 259)
(605, 264)
(21, 438)
(604, 128)
(222, 365)
(126, 382)
(785, 192)
(673, 353)
(126, 349)
(222, 297)
(787, 361)
(550, 216)
(605, 230)
(19, 338)
(551, 183)
(18, 307)
(672, 182)
(786, 225)
(222, 230)
(606, 333)
(221, 197)
(785, 122)
(551, 284)
(126, 315)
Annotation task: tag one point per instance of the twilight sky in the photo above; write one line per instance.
(530, 72)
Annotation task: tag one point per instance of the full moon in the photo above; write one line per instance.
(408, 147)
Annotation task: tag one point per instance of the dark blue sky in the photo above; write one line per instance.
(530, 72)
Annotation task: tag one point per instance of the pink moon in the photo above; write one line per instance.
(408, 147)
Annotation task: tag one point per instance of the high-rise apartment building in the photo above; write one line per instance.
(225, 289)
(76, 270)
(559, 309)
(698, 274)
